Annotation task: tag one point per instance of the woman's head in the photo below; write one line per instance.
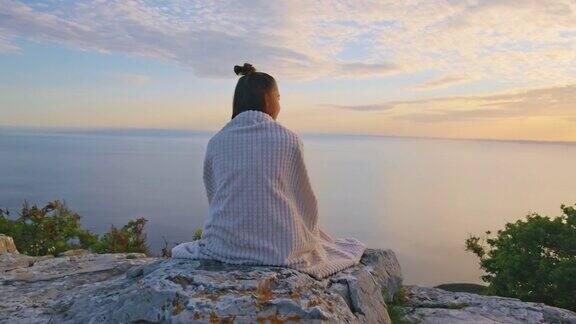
(255, 91)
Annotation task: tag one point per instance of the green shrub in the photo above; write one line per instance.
(197, 234)
(49, 230)
(532, 259)
(130, 238)
(55, 228)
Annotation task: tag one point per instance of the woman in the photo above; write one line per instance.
(262, 208)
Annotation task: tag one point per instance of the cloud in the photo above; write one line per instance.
(373, 107)
(552, 101)
(389, 105)
(365, 69)
(558, 101)
(518, 41)
(444, 81)
(6, 46)
(137, 79)
(208, 37)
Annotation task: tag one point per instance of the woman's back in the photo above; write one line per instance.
(262, 207)
(258, 199)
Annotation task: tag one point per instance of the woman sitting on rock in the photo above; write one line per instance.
(262, 207)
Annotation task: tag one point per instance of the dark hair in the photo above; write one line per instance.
(250, 89)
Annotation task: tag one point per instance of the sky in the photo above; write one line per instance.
(499, 69)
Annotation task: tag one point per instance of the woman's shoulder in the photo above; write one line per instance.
(272, 131)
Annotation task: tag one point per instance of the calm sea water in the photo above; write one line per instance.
(419, 197)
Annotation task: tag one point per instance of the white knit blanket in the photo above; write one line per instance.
(262, 207)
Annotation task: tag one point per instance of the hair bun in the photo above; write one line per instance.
(245, 69)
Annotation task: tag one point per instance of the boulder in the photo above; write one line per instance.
(7, 245)
(82, 287)
(79, 286)
(432, 305)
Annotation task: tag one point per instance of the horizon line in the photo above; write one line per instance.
(79, 129)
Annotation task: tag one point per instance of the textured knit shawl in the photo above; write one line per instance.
(262, 207)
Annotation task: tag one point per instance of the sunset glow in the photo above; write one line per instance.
(500, 69)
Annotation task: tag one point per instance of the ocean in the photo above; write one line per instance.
(419, 197)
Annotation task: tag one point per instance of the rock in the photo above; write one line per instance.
(36, 289)
(366, 288)
(432, 305)
(81, 287)
(7, 245)
(16, 262)
(77, 252)
(384, 267)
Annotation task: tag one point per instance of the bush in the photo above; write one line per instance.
(130, 238)
(55, 228)
(197, 234)
(532, 259)
(49, 230)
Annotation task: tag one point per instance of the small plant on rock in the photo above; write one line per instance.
(130, 238)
